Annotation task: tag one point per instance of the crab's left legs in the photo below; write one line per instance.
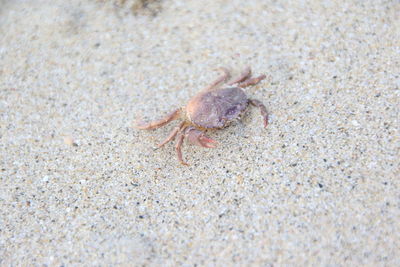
(159, 123)
(262, 108)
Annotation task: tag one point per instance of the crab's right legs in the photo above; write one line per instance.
(198, 138)
(251, 81)
(172, 135)
(156, 124)
(225, 76)
(246, 74)
(178, 148)
(195, 137)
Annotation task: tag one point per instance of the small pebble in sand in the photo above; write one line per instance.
(69, 141)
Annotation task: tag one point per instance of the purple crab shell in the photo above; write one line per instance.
(215, 109)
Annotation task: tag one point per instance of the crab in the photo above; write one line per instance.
(214, 107)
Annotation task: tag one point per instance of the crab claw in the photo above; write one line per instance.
(198, 138)
(207, 142)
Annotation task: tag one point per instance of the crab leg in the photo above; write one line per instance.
(244, 76)
(252, 81)
(178, 148)
(172, 134)
(262, 108)
(198, 138)
(220, 80)
(156, 124)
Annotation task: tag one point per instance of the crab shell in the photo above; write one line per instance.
(217, 108)
(212, 108)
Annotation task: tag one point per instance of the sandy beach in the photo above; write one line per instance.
(80, 186)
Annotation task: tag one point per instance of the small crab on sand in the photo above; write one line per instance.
(212, 108)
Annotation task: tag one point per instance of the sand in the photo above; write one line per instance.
(79, 186)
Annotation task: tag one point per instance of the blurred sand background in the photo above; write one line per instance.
(80, 186)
